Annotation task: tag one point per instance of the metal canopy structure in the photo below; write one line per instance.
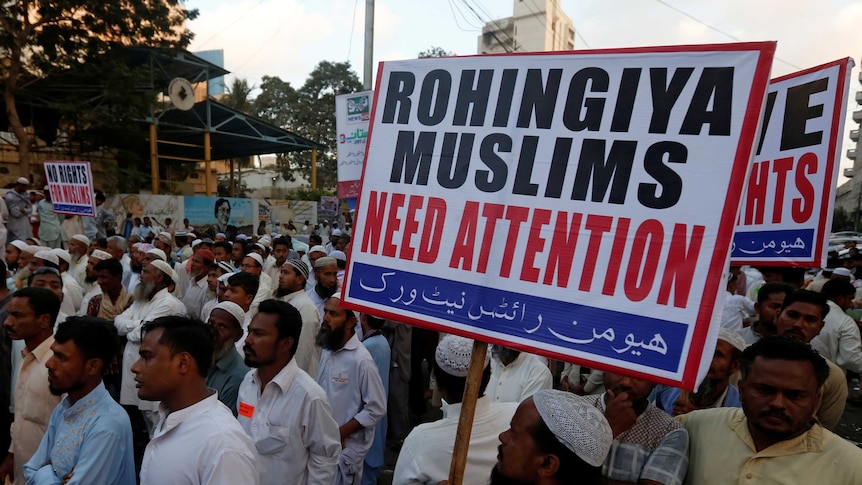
(208, 130)
(232, 134)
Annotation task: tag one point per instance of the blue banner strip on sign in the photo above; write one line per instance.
(793, 243)
(80, 210)
(632, 338)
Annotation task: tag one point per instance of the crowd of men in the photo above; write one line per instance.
(182, 360)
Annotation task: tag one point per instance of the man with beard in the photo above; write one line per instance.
(649, 447)
(112, 301)
(197, 440)
(427, 451)
(253, 265)
(326, 277)
(515, 376)
(118, 247)
(350, 379)
(24, 260)
(775, 437)
(31, 316)
(195, 294)
(89, 438)
(314, 253)
(801, 318)
(20, 208)
(715, 391)
(70, 285)
(91, 286)
(279, 396)
(136, 257)
(228, 369)
(291, 289)
(152, 299)
(78, 246)
(555, 438)
(770, 300)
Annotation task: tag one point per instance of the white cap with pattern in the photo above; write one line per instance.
(733, 338)
(453, 355)
(577, 425)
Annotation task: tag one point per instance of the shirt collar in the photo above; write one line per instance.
(810, 441)
(42, 351)
(283, 379)
(351, 344)
(92, 398)
(170, 420)
(453, 411)
(292, 296)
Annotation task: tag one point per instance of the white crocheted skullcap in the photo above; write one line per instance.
(338, 255)
(101, 255)
(176, 233)
(223, 278)
(166, 269)
(453, 355)
(241, 237)
(62, 254)
(300, 266)
(265, 241)
(195, 243)
(31, 249)
(336, 232)
(233, 309)
(733, 338)
(577, 425)
(21, 245)
(168, 235)
(158, 253)
(255, 257)
(325, 261)
(317, 249)
(47, 256)
(82, 238)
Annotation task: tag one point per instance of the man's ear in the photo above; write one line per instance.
(549, 466)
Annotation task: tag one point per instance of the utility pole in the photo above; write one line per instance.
(368, 62)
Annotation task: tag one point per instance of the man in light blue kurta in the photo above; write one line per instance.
(89, 438)
(378, 347)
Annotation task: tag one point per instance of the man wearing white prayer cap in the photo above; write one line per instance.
(227, 372)
(72, 291)
(91, 286)
(78, 246)
(314, 253)
(715, 391)
(252, 263)
(152, 300)
(326, 277)
(427, 450)
(556, 437)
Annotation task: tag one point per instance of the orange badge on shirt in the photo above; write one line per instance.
(246, 410)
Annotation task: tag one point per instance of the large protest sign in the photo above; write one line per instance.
(352, 116)
(71, 187)
(578, 205)
(786, 213)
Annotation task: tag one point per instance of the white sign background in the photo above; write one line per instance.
(615, 312)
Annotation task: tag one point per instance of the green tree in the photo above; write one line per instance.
(435, 51)
(238, 97)
(40, 38)
(314, 118)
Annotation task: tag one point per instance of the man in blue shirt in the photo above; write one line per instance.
(378, 347)
(89, 438)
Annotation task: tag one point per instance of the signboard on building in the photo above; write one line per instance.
(579, 206)
(786, 214)
(71, 188)
(352, 116)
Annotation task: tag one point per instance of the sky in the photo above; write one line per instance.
(287, 38)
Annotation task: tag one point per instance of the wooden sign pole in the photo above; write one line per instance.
(468, 410)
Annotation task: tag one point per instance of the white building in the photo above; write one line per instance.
(535, 26)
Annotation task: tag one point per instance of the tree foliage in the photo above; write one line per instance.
(41, 38)
(435, 51)
(310, 112)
